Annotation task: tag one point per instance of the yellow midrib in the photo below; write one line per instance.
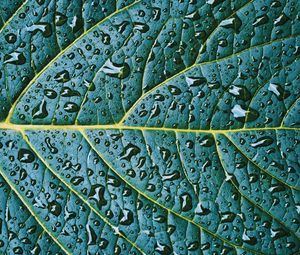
(18, 127)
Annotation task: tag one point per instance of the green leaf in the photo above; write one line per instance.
(150, 127)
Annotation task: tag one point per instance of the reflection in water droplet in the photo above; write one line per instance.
(76, 24)
(92, 237)
(252, 240)
(11, 38)
(142, 27)
(171, 176)
(52, 149)
(281, 20)
(163, 249)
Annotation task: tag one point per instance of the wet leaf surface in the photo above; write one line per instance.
(149, 127)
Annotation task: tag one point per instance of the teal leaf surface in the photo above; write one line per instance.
(150, 127)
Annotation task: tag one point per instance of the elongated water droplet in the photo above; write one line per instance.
(260, 20)
(262, 142)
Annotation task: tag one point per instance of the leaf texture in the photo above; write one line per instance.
(150, 127)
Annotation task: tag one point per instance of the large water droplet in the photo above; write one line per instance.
(129, 151)
(262, 142)
(240, 92)
(15, 58)
(25, 156)
(55, 208)
(120, 71)
(280, 93)
(186, 202)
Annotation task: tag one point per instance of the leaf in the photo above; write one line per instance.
(150, 127)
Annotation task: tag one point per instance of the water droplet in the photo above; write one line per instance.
(60, 19)
(120, 71)
(227, 217)
(163, 249)
(281, 20)
(174, 90)
(280, 93)
(55, 208)
(71, 107)
(11, 38)
(207, 141)
(195, 81)
(171, 176)
(26, 156)
(97, 194)
(186, 202)
(165, 153)
(67, 92)
(252, 240)
(129, 151)
(43, 27)
(277, 188)
(126, 217)
(52, 149)
(50, 93)
(240, 92)
(142, 27)
(234, 23)
(62, 76)
(240, 114)
(15, 58)
(76, 24)
(92, 237)
(278, 233)
(40, 111)
(260, 20)
(262, 142)
(76, 180)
